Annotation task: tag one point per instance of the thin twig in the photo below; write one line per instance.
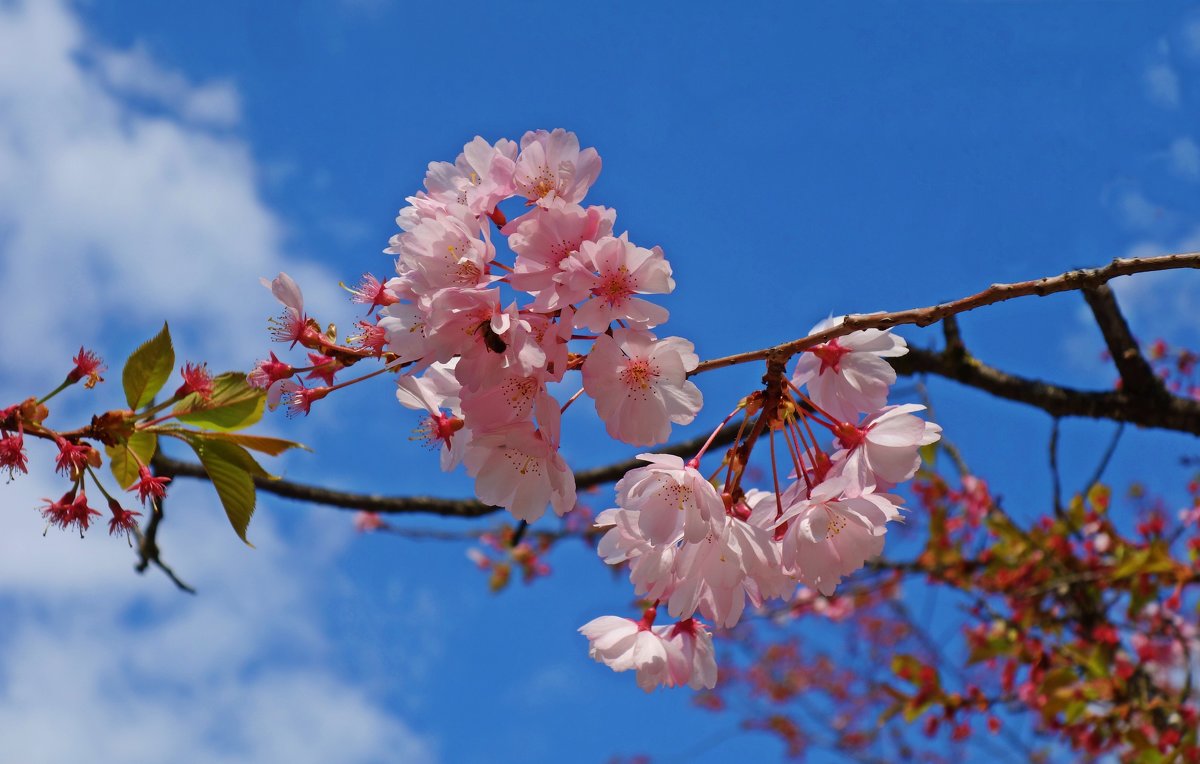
(1065, 282)
(1105, 459)
(149, 552)
(1055, 475)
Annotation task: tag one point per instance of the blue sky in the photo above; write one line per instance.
(793, 161)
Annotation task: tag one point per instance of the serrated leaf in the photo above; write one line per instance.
(124, 467)
(148, 369)
(230, 477)
(234, 404)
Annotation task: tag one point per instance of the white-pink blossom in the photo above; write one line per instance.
(883, 450)
(640, 385)
(675, 655)
(519, 468)
(847, 375)
(480, 178)
(610, 272)
(830, 535)
(670, 497)
(551, 168)
(545, 238)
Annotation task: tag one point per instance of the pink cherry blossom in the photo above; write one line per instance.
(551, 169)
(443, 252)
(433, 391)
(830, 535)
(671, 656)
(670, 497)
(847, 375)
(480, 178)
(716, 575)
(693, 661)
(406, 328)
(491, 340)
(651, 568)
(883, 449)
(504, 401)
(640, 385)
(612, 271)
(622, 644)
(545, 238)
(518, 468)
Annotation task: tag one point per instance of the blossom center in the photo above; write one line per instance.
(616, 286)
(639, 374)
(830, 354)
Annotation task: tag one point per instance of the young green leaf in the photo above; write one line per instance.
(234, 404)
(148, 369)
(229, 468)
(123, 464)
(261, 443)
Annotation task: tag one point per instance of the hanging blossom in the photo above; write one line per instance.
(480, 348)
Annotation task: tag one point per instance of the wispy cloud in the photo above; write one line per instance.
(133, 73)
(1162, 84)
(1183, 158)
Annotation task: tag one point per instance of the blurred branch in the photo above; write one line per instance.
(148, 551)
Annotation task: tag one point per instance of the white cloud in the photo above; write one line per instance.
(114, 217)
(1132, 207)
(134, 73)
(1162, 85)
(234, 674)
(1183, 158)
(127, 198)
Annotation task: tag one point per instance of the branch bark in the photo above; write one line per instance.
(1142, 400)
(1065, 282)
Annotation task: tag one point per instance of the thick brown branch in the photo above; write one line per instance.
(429, 505)
(1169, 413)
(1066, 282)
(1136, 375)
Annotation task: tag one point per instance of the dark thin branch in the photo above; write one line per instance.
(1098, 475)
(1055, 475)
(1170, 413)
(1136, 375)
(466, 508)
(148, 551)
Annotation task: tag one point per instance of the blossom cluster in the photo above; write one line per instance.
(479, 342)
(700, 548)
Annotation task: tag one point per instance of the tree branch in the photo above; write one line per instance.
(1136, 375)
(1065, 282)
(1169, 413)
(431, 505)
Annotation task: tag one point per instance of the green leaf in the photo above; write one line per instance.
(261, 443)
(234, 404)
(229, 468)
(147, 369)
(124, 467)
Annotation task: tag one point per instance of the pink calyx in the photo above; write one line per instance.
(830, 354)
(850, 435)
